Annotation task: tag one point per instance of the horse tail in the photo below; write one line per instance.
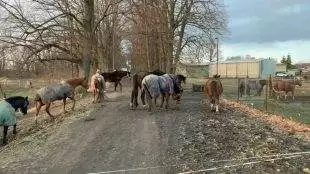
(147, 90)
(215, 87)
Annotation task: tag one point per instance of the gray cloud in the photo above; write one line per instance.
(263, 21)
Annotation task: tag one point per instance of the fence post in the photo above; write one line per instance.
(246, 88)
(238, 82)
(266, 93)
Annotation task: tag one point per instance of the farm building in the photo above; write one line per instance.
(258, 68)
(193, 70)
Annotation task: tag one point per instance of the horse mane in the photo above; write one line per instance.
(157, 72)
(15, 98)
(77, 81)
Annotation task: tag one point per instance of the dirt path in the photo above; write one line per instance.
(112, 137)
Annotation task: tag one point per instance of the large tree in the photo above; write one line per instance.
(171, 26)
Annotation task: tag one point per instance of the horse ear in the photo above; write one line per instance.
(26, 97)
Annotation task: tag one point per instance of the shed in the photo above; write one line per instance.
(257, 68)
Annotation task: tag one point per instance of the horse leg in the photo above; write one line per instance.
(73, 99)
(149, 101)
(167, 101)
(38, 107)
(120, 86)
(115, 85)
(132, 98)
(47, 109)
(64, 106)
(293, 96)
(217, 105)
(94, 96)
(5, 132)
(14, 129)
(162, 100)
(142, 98)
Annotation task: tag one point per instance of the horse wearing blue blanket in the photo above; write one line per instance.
(8, 107)
(166, 85)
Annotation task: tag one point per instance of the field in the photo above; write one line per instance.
(298, 110)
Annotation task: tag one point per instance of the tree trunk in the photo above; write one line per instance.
(88, 37)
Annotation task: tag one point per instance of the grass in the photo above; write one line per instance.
(19, 92)
(296, 110)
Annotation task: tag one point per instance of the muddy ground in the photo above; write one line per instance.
(112, 137)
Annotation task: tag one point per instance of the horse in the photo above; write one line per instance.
(256, 85)
(116, 77)
(165, 85)
(213, 89)
(136, 85)
(62, 91)
(285, 85)
(97, 85)
(8, 107)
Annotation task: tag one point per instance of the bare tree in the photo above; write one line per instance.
(66, 27)
(177, 25)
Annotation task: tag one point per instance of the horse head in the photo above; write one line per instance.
(298, 81)
(216, 76)
(24, 107)
(263, 82)
(84, 83)
(181, 78)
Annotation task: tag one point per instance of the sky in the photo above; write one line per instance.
(268, 28)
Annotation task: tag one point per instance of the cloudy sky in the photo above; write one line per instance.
(268, 28)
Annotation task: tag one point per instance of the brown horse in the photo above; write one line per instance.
(116, 77)
(213, 89)
(97, 85)
(136, 85)
(285, 85)
(62, 91)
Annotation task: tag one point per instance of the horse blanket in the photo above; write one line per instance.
(7, 114)
(159, 84)
(55, 92)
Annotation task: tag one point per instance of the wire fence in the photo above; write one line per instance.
(265, 99)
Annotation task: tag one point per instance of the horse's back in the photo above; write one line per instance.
(7, 114)
(54, 92)
(213, 88)
(151, 81)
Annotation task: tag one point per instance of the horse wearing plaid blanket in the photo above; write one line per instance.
(166, 85)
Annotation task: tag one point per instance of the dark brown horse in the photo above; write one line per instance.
(61, 91)
(136, 85)
(116, 77)
(213, 90)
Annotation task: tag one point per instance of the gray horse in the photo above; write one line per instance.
(252, 84)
